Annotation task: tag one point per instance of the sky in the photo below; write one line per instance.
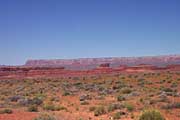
(65, 29)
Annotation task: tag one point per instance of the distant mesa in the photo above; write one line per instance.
(104, 65)
(89, 66)
(91, 63)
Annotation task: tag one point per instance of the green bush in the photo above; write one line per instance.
(45, 117)
(129, 107)
(66, 93)
(172, 106)
(151, 115)
(58, 108)
(99, 111)
(92, 108)
(84, 103)
(33, 108)
(49, 106)
(167, 90)
(6, 111)
(120, 98)
(116, 116)
(174, 84)
(52, 107)
(111, 107)
(126, 91)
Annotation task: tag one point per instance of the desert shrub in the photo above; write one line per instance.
(84, 103)
(40, 96)
(141, 83)
(29, 101)
(167, 89)
(6, 111)
(45, 117)
(141, 100)
(120, 98)
(92, 108)
(132, 116)
(116, 115)
(174, 84)
(120, 85)
(52, 107)
(126, 91)
(99, 111)
(162, 81)
(172, 106)
(149, 83)
(32, 108)
(129, 106)
(130, 76)
(78, 84)
(56, 99)
(49, 106)
(114, 106)
(58, 108)
(169, 81)
(111, 107)
(151, 115)
(15, 98)
(37, 100)
(66, 93)
(141, 79)
(136, 76)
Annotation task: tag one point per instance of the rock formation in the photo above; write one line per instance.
(90, 63)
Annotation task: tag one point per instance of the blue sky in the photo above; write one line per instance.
(48, 29)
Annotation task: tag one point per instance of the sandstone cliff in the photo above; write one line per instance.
(90, 63)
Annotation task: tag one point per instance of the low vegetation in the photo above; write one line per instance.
(45, 117)
(119, 96)
(151, 115)
(6, 111)
(99, 111)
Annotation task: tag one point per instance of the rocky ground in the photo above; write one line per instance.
(117, 95)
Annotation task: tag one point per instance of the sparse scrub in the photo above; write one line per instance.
(117, 115)
(66, 93)
(84, 103)
(32, 108)
(6, 111)
(174, 84)
(111, 107)
(172, 106)
(114, 106)
(99, 111)
(52, 107)
(167, 90)
(151, 115)
(126, 91)
(120, 98)
(129, 107)
(45, 117)
(92, 108)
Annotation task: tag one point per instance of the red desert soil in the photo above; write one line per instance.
(18, 115)
(79, 94)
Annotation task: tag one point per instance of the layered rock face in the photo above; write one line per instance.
(89, 66)
(90, 63)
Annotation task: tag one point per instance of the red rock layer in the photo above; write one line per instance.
(33, 72)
